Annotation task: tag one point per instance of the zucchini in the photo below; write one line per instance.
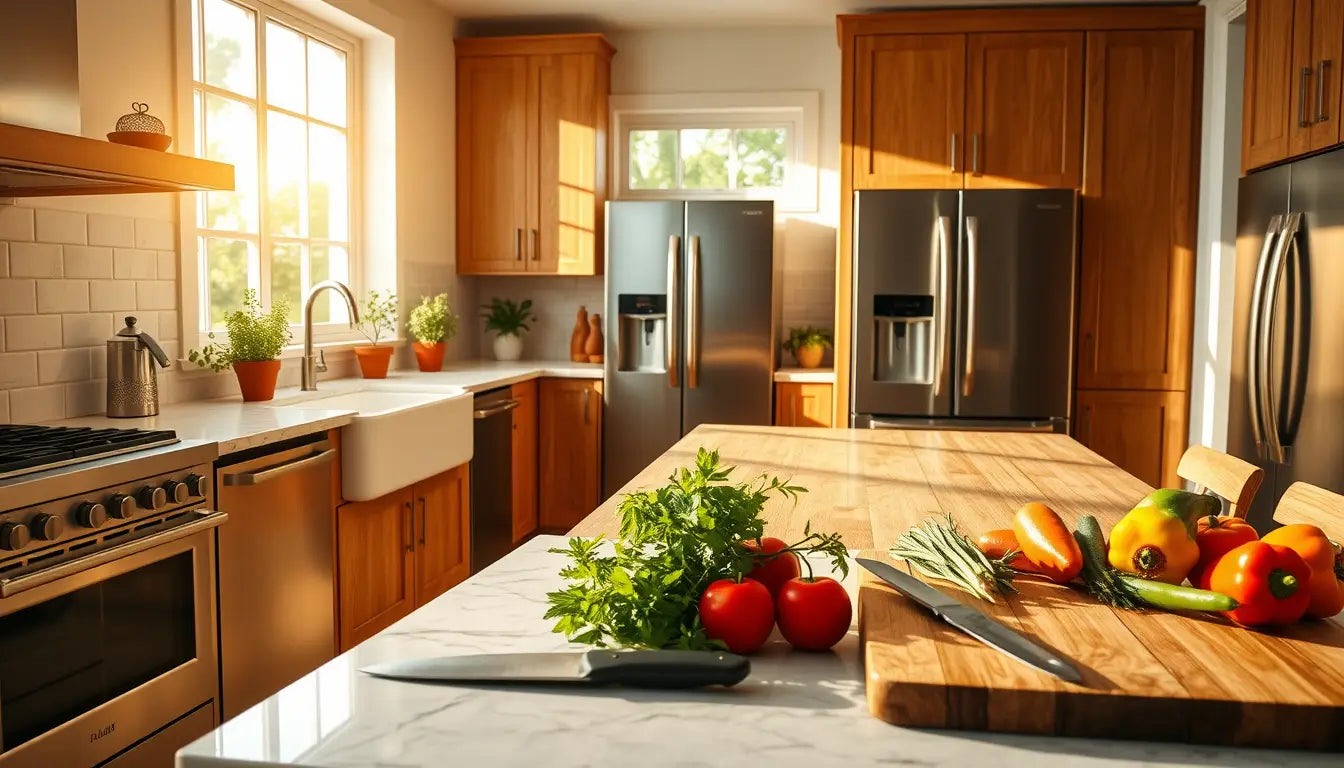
(1098, 575)
(1171, 597)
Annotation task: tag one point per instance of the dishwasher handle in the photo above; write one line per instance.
(485, 413)
(260, 476)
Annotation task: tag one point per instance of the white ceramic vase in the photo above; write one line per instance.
(508, 347)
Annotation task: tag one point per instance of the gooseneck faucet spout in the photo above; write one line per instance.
(313, 365)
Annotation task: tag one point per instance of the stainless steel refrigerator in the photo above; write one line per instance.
(690, 324)
(1286, 404)
(963, 309)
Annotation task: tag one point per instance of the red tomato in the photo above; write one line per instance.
(813, 614)
(773, 573)
(741, 614)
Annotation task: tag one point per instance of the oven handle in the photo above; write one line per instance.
(14, 586)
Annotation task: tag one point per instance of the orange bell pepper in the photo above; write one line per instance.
(1311, 543)
(1271, 584)
(1216, 536)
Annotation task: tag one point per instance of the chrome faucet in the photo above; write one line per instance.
(313, 365)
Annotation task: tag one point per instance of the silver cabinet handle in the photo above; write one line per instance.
(975, 154)
(673, 308)
(518, 244)
(972, 256)
(1302, 97)
(1273, 277)
(952, 154)
(485, 413)
(587, 395)
(279, 470)
(536, 244)
(1321, 69)
(424, 520)
(693, 314)
(944, 285)
(1254, 375)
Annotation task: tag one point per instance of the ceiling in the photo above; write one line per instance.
(636, 14)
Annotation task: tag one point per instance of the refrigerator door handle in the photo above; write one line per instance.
(693, 312)
(1271, 288)
(673, 326)
(944, 279)
(972, 256)
(1253, 373)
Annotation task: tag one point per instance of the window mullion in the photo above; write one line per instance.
(263, 176)
(676, 146)
(732, 159)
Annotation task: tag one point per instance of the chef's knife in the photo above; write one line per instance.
(974, 623)
(636, 669)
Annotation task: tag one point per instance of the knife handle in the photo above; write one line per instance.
(666, 669)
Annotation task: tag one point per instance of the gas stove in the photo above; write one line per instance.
(26, 448)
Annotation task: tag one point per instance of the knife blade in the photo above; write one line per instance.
(635, 669)
(974, 623)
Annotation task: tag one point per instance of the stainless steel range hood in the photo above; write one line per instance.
(40, 155)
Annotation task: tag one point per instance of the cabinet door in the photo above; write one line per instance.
(442, 533)
(1024, 109)
(909, 105)
(571, 451)
(568, 177)
(1138, 211)
(1143, 433)
(1318, 43)
(1268, 111)
(492, 137)
(803, 404)
(524, 460)
(375, 565)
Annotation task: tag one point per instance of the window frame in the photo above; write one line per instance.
(795, 111)
(192, 289)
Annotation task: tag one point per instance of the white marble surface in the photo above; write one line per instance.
(805, 375)
(236, 425)
(796, 709)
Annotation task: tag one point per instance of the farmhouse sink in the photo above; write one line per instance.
(398, 436)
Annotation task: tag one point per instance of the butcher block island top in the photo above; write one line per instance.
(809, 709)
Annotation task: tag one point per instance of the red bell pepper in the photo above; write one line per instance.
(1269, 582)
(1216, 536)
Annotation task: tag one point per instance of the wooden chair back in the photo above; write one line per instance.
(1306, 503)
(1228, 476)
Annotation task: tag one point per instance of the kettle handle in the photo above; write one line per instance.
(154, 349)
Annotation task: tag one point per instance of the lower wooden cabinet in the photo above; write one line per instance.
(803, 404)
(1142, 432)
(570, 434)
(399, 551)
(524, 460)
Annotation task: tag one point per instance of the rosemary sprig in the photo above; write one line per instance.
(939, 550)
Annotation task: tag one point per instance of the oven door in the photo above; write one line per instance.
(97, 654)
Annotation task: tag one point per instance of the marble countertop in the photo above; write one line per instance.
(796, 709)
(237, 426)
(797, 375)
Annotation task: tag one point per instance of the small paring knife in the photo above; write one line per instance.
(974, 623)
(633, 669)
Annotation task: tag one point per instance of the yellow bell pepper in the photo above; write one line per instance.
(1156, 539)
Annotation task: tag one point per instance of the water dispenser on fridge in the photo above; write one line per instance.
(641, 343)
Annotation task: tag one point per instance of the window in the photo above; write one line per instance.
(707, 146)
(274, 96)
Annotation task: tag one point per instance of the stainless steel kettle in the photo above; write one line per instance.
(132, 381)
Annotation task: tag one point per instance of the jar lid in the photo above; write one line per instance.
(140, 120)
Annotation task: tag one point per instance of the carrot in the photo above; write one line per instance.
(1047, 542)
(996, 545)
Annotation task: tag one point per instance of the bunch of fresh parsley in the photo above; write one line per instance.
(643, 591)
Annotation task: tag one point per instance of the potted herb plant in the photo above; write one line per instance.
(808, 345)
(253, 347)
(508, 321)
(377, 317)
(432, 323)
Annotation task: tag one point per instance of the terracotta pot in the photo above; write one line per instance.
(373, 361)
(257, 379)
(508, 347)
(429, 356)
(809, 356)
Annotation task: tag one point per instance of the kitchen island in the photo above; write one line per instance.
(794, 709)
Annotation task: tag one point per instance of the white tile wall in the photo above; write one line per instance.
(555, 301)
(116, 231)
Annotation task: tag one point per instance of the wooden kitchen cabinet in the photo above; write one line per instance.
(531, 153)
(1138, 210)
(1144, 433)
(570, 434)
(803, 404)
(1318, 45)
(442, 533)
(524, 460)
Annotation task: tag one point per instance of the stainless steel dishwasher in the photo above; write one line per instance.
(277, 593)
(492, 477)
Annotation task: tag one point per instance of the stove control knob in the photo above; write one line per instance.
(13, 536)
(46, 527)
(121, 506)
(176, 491)
(91, 514)
(197, 485)
(151, 498)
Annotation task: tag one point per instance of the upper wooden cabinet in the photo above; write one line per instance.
(1138, 210)
(1292, 90)
(968, 111)
(570, 472)
(531, 153)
